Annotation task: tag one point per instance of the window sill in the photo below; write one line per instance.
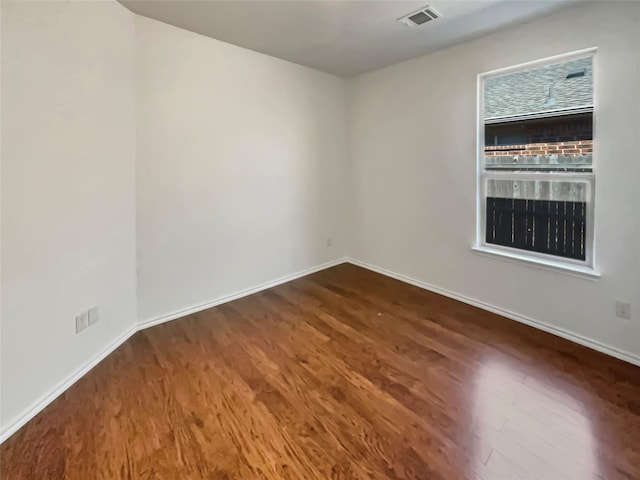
(556, 266)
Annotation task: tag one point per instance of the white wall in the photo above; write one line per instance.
(242, 174)
(413, 166)
(68, 212)
(241, 163)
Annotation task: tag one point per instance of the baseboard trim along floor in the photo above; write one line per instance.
(54, 393)
(40, 404)
(234, 296)
(36, 407)
(560, 332)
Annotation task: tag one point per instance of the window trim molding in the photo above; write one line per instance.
(513, 255)
(557, 263)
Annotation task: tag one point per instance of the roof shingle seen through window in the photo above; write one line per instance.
(527, 91)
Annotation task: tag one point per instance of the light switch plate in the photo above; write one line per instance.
(623, 310)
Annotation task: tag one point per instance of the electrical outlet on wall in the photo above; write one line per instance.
(86, 319)
(329, 241)
(82, 321)
(623, 309)
(93, 315)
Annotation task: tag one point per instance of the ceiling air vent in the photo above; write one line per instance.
(420, 17)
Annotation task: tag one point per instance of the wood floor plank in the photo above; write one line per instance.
(343, 374)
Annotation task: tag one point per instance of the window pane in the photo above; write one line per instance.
(540, 119)
(543, 226)
(537, 177)
(540, 89)
(545, 216)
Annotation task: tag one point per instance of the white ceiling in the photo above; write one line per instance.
(342, 37)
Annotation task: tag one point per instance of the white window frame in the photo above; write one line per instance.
(572, 266)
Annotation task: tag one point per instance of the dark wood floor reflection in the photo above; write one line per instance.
(343, 374)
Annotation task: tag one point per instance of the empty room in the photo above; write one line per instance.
(320, 239)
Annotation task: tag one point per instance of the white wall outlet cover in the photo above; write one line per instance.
(93, 315)
(81, 322)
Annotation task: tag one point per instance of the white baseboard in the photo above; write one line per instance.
(234, 296)
(40, 404)
(49, 397)
(560, 332)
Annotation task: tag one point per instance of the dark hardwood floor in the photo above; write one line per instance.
(342, 374)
